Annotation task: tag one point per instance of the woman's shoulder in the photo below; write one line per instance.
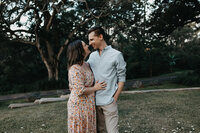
(86, 64)
(75, 67)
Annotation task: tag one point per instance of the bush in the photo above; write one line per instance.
(52, 84)
(35, 86)
(189, 79)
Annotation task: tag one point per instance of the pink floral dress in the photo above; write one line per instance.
(81, 108)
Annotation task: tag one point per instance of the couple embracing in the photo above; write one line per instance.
(95, 85)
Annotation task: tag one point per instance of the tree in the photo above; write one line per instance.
(185, 43)
(170, 14)
(44, 27)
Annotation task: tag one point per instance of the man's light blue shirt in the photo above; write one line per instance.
(109, 67)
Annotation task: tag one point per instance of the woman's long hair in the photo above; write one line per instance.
(75, 53)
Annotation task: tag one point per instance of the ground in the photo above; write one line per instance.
(155, 112)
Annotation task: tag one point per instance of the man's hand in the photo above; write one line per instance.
(115, 98)
(120, 88)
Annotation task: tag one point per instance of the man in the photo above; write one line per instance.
(107, 65)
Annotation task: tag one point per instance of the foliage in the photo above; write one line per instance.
(172, 61)
(170, 14)
(50, 25)
(146, 40)
(18, 67)
(188, 55)
(52, 84)
(190, 78)
(21, 70)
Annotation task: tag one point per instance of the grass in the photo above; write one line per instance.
(45, 118)
(158, 112)
(163, 112)
(165, 85)
(176, 73)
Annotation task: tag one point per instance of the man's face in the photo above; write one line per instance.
(94, 41)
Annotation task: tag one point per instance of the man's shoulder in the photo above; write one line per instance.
(114, 51)
(94, 52)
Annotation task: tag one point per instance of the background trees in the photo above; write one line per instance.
(148, 34)
(45, 27)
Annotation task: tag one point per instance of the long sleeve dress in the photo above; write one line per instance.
(81, 108)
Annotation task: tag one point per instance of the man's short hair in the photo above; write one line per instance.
(97, 30)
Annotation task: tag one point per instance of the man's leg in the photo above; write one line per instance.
(111, 117)
(101, 126)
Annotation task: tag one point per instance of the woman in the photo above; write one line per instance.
(81, 103)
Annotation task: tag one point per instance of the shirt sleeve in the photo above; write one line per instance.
(76, 80)
(89, 61)
(121, 68)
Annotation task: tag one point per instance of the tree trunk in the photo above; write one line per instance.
(50, 61)
(52, 71)
(150, 69)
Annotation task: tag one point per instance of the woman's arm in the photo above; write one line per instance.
(77, 82)
(96, 87)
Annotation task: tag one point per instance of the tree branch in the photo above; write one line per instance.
(51, 20)
(19, 16)
(26, 31)
(56, 9)
(84, 21)
(25, 42)
(70, 36)
(88, 9)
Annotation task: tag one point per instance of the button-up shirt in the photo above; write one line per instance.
(109, 67)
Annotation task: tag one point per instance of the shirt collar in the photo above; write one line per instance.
(107, 47)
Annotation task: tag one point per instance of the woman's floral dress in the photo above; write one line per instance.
(81, 108)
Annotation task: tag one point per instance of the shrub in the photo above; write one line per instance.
(40, 85)
(189, 79)
(52, 84)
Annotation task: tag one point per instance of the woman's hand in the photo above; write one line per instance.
(100, 86)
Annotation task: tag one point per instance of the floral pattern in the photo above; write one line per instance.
(81, 108)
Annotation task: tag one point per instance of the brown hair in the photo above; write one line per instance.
(97, 31)
(75, 53)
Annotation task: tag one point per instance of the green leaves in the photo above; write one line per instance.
(171, 14)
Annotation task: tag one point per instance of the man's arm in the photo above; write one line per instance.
(121, 74)
(119, 90)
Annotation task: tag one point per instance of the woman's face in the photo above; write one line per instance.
(85, 47)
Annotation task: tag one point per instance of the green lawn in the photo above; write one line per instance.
(158, 112)
(165, 85)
